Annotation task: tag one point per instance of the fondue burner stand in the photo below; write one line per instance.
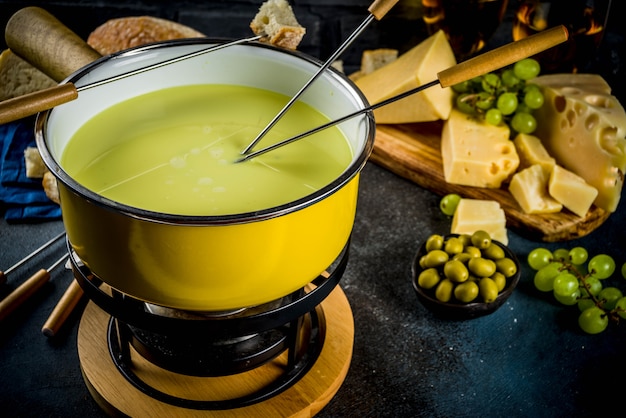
(284, 358)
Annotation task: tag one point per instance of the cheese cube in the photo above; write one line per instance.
(475, 153)
(472, 215)
(529, 187)
(531, 151)
(571, 190)
(415, 67)
(584, 128)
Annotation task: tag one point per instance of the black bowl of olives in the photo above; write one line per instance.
(463, 276)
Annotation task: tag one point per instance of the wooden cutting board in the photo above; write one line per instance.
(412, 151)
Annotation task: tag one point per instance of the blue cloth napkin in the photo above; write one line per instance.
(22, 199)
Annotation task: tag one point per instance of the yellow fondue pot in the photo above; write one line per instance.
(208, 263)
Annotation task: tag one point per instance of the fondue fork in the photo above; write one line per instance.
(377, 10)
(466, 70)
(27, 289)
(73, 294)
(4, 274)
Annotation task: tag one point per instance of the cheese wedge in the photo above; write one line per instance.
(529, 187)
(584, 128)
(472, 215)
(415, 67)
(531, 151)
(475, 153)
(571, 190)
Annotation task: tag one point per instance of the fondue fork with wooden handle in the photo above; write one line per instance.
(58, 54)
(377, 10)
(466, 70)
(4, 274)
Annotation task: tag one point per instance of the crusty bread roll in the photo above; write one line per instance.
(278, 24)
(49, 184)
(118, 34)
(18, 77)
(373, 59)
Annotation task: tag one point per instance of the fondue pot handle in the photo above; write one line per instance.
(379, 8)
(39, 38)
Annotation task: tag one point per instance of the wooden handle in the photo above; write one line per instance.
(29, 104)
(23, 292)
(43, 41)
(63, 309)
(379, 8)
(502, 56)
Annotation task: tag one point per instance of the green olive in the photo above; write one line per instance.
(466, 239)
(493, 252)
(453, 246)
(473, 251)
(462, 257)
(434, 242)
(481, 267)
(436, 258)
(456, 271)
(422, 261)
(428, 278)
(481, 239)
(443, 292)
(500, 280)
(488, 289)
(506, 266)
(466, 292)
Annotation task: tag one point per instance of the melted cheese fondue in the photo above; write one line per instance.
(173, 151)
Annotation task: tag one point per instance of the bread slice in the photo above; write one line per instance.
(126, 32)
(278, 24)
(18, 77)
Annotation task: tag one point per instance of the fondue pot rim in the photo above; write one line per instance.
(177, 219)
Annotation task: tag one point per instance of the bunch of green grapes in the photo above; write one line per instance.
(574, 279)
(503, 97)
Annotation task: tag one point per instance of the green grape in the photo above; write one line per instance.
(491, 83)
(507, 103)
(560, 254)
(464, 103)
(533, 98)
(494, 117)
(624, 270)
(449, 203)
(593, 320)
(484, 100)
(595, 285)
(585, 303)
(565, 284)
(526, 69)
(601, 266)
(462, 87)
(609, 297)
(539, 257)
(567, 300)
(524, 123)
(620, 306)
(578, 255)
(544, 277)
(509, 79)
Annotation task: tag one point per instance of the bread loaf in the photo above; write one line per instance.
(118, 34)
(278, 24)
(18, 77)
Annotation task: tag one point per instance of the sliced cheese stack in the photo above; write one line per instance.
(414, 68)
(475, 153)
(583, 127)
(472, 215)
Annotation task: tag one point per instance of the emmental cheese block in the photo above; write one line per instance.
(529, 187)
(571, 190)
(584, 128)
(412, 69)
(472, 215)
(475, 153)
(531, 151)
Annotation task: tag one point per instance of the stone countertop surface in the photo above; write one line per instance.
(527, 359)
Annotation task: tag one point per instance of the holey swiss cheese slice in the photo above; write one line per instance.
(412, 69)
(584, 128)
